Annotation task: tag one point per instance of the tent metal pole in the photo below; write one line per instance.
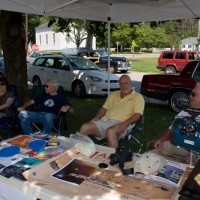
(108, 57)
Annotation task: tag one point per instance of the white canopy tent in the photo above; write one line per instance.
(102, 10)
(110, 11)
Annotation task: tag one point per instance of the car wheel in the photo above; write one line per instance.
(124, 71)
(36, 81)
(177, 100)
(170, 70)
(79, 89)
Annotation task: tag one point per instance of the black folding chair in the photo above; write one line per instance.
(10, 121)
(60, 124)
(136, 135)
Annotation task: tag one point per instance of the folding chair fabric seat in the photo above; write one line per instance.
(10, 121)
(136, 134)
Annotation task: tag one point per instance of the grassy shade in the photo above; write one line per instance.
(156, 118)
(85, 110)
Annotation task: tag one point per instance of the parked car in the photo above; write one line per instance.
(174, 88)
(100, 58)
(2, 66)
(175, 61)
(31, 58)
(75, 74)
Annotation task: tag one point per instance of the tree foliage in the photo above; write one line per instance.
(149, 37)
(80, 29)
(152, 34)
(75, 29)
(122, 34)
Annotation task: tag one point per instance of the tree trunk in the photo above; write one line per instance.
(0, 47)
(12, 34)
(89, 41)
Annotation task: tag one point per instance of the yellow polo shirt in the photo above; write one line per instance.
(123, 108)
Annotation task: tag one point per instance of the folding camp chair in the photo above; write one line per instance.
(136, 134)
(10, 122)
(60, 125)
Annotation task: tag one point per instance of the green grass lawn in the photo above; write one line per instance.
(144, 65)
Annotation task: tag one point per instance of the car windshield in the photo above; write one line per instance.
(83, 64)
(102, 53)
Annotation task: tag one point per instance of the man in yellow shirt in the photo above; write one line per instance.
(121, 109)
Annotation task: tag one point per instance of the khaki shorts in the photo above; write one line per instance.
(104, 125)
(171, 152)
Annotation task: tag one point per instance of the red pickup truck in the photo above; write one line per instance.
(173, 88)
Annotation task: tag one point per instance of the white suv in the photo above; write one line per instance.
(31, 58)
(75, 74)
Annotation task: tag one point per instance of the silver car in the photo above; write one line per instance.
(78, 75)
(31, 58)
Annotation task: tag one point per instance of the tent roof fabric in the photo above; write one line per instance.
(102, 10)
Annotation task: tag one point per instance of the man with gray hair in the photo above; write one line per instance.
(164, 144)
(121, 109)
(51, 104)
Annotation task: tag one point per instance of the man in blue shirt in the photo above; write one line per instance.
(51, 104)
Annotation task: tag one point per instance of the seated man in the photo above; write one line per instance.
(6, 98)
(163, 141)
(121, 108)
(51, 103)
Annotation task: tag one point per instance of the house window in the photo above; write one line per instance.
(46, 38)
(40, 39)
(54, 38)
(189, 45)
(183, 46)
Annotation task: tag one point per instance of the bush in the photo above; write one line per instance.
(148, 51)
(137, 49)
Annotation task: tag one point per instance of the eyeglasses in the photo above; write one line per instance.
(193, 94)
(2, 84)
(46, 86)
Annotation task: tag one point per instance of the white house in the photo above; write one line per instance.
(48, 40)
(190, 44)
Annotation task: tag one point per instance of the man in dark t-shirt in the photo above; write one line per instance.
(50, 102)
